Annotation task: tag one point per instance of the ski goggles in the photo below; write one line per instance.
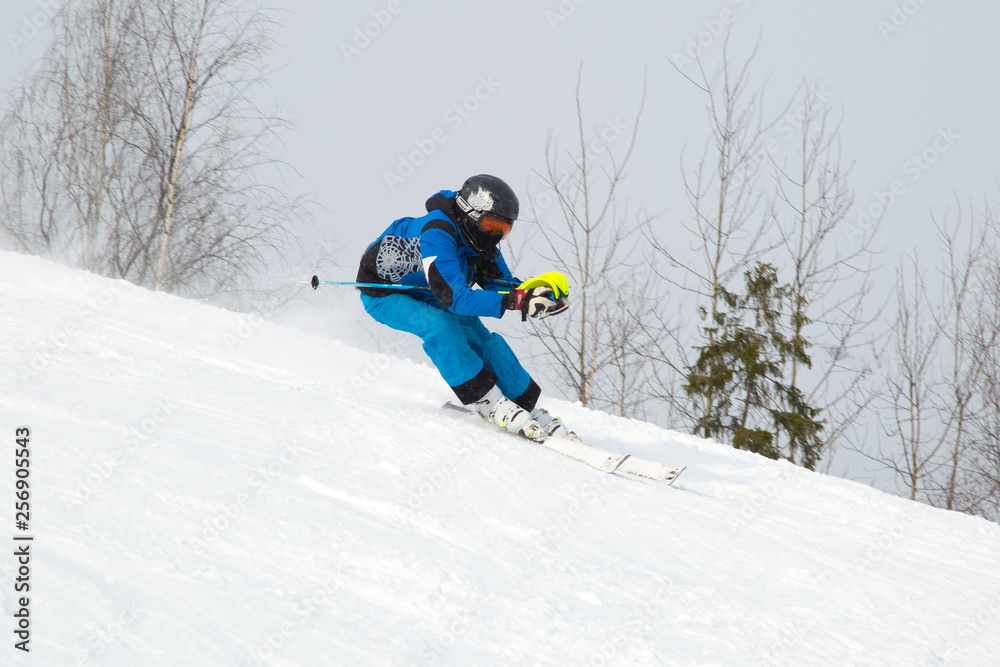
(495, 225)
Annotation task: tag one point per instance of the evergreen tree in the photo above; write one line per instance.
(739, 374)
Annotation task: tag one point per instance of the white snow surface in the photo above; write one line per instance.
(212, 489)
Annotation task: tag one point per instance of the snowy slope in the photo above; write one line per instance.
(210, 489)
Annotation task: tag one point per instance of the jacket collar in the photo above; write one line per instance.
(444, 201)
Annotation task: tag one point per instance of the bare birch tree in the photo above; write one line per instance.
(138, 151)
(66, 133)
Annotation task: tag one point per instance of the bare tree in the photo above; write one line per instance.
(945, 346)
(628, 371)
(830, 286)
(137, 149)
(725, 229)
(986, 451)
(912, 398)
(592, 347)
(983, 452)
(66, 134)
(958, 320)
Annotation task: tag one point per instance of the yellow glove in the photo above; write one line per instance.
(546, 295)
(557, 281)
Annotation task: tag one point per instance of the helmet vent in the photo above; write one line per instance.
(481, 200)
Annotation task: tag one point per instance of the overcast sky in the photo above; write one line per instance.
(914, 80)
(369, 83)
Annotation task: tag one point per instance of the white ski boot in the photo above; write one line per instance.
(495, 408)
(552, 426)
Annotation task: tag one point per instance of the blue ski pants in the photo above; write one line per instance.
(470, 358)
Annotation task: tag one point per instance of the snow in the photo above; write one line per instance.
(209, 488)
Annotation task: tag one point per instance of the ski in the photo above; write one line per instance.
(595, 457)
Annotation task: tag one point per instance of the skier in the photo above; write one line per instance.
(448, 250)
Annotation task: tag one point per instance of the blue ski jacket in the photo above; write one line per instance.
(433, 251)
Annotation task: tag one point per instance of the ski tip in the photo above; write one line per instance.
(674, 474)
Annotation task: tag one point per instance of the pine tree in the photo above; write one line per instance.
(740, 374)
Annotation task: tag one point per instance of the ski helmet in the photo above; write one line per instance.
(490, 207)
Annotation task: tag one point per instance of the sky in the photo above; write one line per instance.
(913, 81)
(392, 100)
(376, 90)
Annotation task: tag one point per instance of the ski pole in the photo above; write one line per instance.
(316, 282)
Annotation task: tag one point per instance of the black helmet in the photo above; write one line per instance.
(486, 195)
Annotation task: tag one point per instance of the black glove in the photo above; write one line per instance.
(535, 302)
